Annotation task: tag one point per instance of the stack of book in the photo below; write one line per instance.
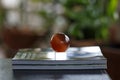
(73, 59)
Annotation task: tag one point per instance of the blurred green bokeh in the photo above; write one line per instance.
(86, 19)
(90, 19)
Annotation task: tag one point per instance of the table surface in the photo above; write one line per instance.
(62, 75)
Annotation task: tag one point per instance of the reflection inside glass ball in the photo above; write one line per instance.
(60, 42)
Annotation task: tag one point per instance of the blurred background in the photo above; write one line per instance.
(32, 22)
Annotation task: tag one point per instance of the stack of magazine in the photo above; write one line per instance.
(73, 59)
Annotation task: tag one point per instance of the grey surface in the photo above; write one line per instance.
(6, 72)
(80, 75)
(64, 77)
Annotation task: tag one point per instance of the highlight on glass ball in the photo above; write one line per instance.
(60, 42)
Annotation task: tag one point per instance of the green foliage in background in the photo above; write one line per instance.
(2, 15)
(2, 18)
(36, 1)
(89, 19)
(111, 8)
(48, 17)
